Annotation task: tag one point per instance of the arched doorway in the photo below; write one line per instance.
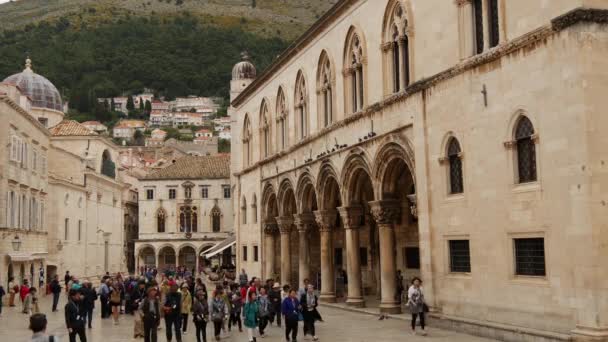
(309, 249)
(167, 259)
(187, 258)
(289, 239)
(146, 258)
(272, 245)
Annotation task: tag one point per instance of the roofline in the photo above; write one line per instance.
(183, 178)
(6, 99)
(329, 17)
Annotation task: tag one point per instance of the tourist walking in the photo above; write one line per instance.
(38, 324)
(235, 311)
(13, 288)
(56, 291)
(243, 278)
(309, 302)
(400, 288)
(251, 312)
(66, 280)
(104, 298)
(291, 311)
(2, 294)
(172, 308)
(23, 292)
(200, 315)
(416, 304)
(150, 310)
(275, 301)
(74, 316)
(89, 296)
(186, 307)
(30, 303)
(264, 311)
(219, 312)
(138, 295)
(115, 300)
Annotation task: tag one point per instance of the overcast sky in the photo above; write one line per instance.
(2, 1)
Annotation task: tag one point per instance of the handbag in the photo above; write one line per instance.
(300, 316)
(425, 308)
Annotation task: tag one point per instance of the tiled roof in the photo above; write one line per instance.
(97, 123)
(190, 167)
(70, 128)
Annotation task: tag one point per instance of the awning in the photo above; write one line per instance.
(25, 256)
(220, 247)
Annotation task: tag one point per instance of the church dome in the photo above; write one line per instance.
(41, 91)
(244, 69)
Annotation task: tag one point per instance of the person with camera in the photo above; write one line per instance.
(172, 307)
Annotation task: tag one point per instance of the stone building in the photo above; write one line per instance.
(184, 210)
(459, 141)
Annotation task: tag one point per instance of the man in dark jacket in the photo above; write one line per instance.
(173, 313)
(89, 296)
(291, 311)
(275, 300)
(309, 302)
(74, 316)
(56, 291)
(150, 307)
(66, 280)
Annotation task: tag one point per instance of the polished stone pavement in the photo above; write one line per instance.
(339, 326)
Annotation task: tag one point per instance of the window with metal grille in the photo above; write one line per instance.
(150, 194)
(255, 254)
(226, 191)
(526, 151)
(172, 193)
(478, 17)
(530, 256)
(205, 192)
(493, 24)
(412, 257)
(456, 179)
(460, 256)
(244, 253)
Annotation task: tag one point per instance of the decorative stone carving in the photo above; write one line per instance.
(271, 228)
(326, 219)
(304, 222)
(385, 212)
(351, 216)
(285, 224)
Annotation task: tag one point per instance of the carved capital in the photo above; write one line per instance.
(326, 219)
(270, 228)
(351, 216)
(385, 212)
(386, 47)
(285, 224)
(304, 222)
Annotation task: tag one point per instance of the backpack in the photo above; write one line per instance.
(264, 308)
(218, 311)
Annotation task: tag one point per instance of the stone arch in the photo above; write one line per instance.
(356, 179)
(216, 219)
(328, 187)
(144, 246)
(286, 198)
(301, 106)
(514, 120)
(184, 245)
(163, 252)
(326, 90)
(265, 129)
(397, 45)
(185, 250)
(394, 151)
(282, 119)
(389, 18)
(270, 208)
(247, 141)
(355, 70)
(306, 195)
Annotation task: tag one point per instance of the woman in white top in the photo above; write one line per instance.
(416, 304)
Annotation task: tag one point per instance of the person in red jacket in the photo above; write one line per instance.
(23, 292)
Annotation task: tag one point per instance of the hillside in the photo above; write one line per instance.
(285, 18)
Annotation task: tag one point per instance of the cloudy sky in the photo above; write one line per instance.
(2, 1)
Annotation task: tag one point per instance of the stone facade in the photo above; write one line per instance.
(183, 211)
(457, 141)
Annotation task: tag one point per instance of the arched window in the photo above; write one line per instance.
(493, 31)
(455, 161)
(301, 106)
(108, 168)
(526, 150)
(325, 90)
(247, 141)
(478, 25)
(396, 46)
(244, 211)
(254, 208)
(264, 130)
(282, 115)
(161, 216)
(188, 219)
(354, 71)
(216, 216)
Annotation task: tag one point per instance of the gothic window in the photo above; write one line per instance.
(478, 19)
(216, 216)
(108, 168)
(325, 90)
(188, 219)
(264, 130)
(244, 211)
(455, 161)
(397, 46)
(247, 142)
(301, 106)
(354, 72)
(160, 220)
(282, 114)
(526, 150)
(493, 25)
(254, 209)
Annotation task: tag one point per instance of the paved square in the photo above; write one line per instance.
(339, 326)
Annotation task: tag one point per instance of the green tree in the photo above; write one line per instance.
(141, 104)
(130, 103)
(148, 107)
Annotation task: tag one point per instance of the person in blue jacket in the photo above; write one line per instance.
(291, 310)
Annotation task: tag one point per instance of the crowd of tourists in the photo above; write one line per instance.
(246, 304)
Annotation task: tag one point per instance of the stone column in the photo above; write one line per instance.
(304, 224)
(270, 231)
(351, 216)
(326, 219)
(386, 213)
(285, 225)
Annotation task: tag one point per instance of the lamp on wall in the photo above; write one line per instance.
(16, 243)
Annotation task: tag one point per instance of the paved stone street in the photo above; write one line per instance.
(339, 326)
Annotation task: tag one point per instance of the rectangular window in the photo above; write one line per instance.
(460, 256)
(79, 230)
(15, 148)
(34, 159)
(530, 257)
(24, 155)
(43, 165)
(244, 253)
(493, 25)
(255, 254)
(412, 257)
(150, 194)
(172, 193)
(226, 191)
(363, 256)
(205, 192)
(66, 229)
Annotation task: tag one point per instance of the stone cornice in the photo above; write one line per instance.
(28, 116)
(515, 45)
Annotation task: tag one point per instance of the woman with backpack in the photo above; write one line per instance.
(251, 313)
(416, 304)
(265, 308)
(219, 312)
(200, 315)
(115, 301)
